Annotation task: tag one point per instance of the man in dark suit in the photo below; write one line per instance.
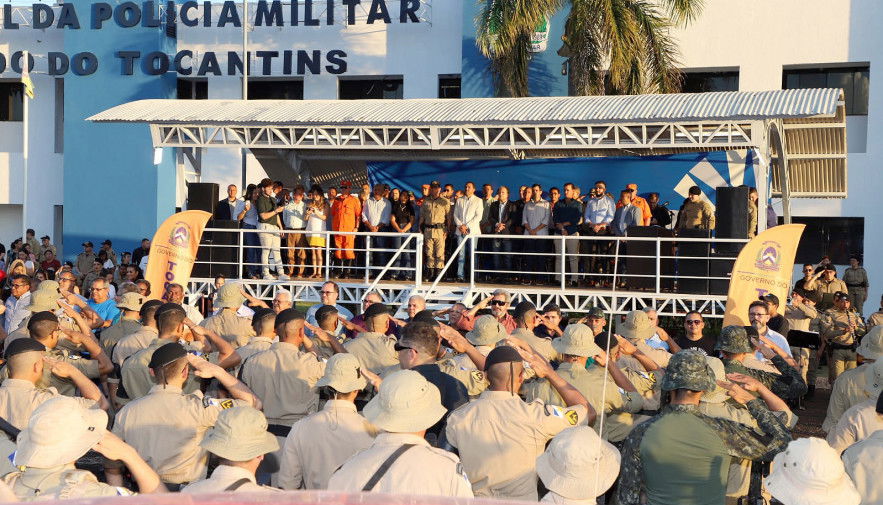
(229, 209)
(501, 216)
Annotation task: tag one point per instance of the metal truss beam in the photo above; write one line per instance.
(698, 135)
(571, 300)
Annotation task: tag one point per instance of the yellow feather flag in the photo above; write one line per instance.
(764, 266)
(173, 250)
(26, 76)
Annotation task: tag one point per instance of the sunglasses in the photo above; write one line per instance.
(498, 303)
(399, 347)
(693, 321)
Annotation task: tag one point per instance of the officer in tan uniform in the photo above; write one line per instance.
(576, 347)
(320, 443)
(525, 322)
(859, 384)
(241, 440)
(167, 424)
(374, 349)
(130, 321)
(841, 328)
(227, 323)
(45, 458)
(825, 284)
(44, 327)
(473, 378)
(84, 261)
(130, 344)
(263, 322)
(499, 436)
(135, 375)
(434, 220)
(19, 394)
(696, 213)
(285, 377)
(400, 460)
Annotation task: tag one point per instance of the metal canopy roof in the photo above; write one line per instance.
(812, 122)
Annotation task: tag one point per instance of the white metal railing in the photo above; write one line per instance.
(643, 264)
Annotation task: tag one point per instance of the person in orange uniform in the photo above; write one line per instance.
(345, 212)
(640, 203)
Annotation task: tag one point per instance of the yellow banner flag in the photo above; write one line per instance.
(26, 77)
(764, 266)
(173, 250)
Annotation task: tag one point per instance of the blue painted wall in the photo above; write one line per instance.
(110, 183)
(544, 78)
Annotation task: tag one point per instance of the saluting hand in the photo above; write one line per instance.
(59, 368)
(458, 342)
(747, 382)
(625, 346)
(736, 392)
(113, 447)
(201, 367)
(319, 332)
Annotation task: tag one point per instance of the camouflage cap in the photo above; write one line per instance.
(596, 312)
(733, 339)
(688, 370)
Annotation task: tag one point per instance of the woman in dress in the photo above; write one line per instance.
(316, 216)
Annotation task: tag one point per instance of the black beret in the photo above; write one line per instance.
(166, 354)
(425, 316)
(150, 305)
(22, 345)
(376, 309)
(289, 315)
(42, 316)
(260, 314)
(502, 354)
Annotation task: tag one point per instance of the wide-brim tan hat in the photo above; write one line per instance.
(230, 296)
(872, 344)
(874, 381)
(486, 331)
(59, 432)
(343, 373)
(570, 462)
(809, 472)
(577, 340)
(44, 301)
(719, 394)
(406, 403)
(131, 301)
(240, 434)
(636, 327)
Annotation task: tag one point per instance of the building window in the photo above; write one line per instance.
(705, 82)
(11, 101)
(836, 237)
(853, 79)
(371, 88)
(192, 89)
(449, 86)
(275, 89)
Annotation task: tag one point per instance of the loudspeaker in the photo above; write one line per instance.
(646, 263)
(202, 196)
(720, 265)
(698, 267)
(731, 216)
(215, 247)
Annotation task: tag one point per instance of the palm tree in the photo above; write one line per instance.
(625, 42)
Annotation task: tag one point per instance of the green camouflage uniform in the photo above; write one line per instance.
(788, 386)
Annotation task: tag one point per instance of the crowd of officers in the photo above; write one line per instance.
(495, 401)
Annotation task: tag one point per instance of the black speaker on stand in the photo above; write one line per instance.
(202, 196)
(215, 247)
(731, 217)
(693, 262)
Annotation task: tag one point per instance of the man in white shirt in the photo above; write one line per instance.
(17, 303)
(597, 217)
(293, 219)
(758, 316)
(536, 218)
(375, 216)
(467, 221)
(229, 208)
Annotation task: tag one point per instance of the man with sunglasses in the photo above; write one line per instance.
(693, 337)
(101, 303)
(499, 304)
(825, 283)
(16, 307)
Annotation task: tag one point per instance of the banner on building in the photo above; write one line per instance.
(670, 175)
(764, 266)
(173, 250)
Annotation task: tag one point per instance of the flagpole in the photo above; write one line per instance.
(24, 151)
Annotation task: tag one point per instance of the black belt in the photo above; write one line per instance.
(854, 285)
(295, 229)
(279, 430)
(434, 226)
(175, 488)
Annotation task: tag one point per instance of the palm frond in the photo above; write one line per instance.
(660, 53)
(682, 12)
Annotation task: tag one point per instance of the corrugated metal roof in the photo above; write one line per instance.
(747, 105)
